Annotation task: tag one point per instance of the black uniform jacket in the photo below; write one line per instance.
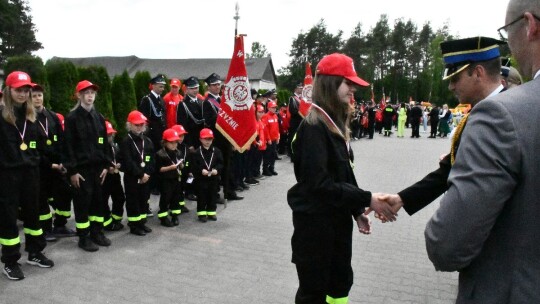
(210, 110)
(154, 109)
(86, 140)
(48, 122)
(11, 156)
(165, 158)
(294, 110)
(198, 162)
(189, 115)
(130, 155)
(325, 178)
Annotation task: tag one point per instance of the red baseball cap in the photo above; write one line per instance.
(175, 82)
(18, 79)
(85, 84)
(260, 108)
(61, 118)
(170, 135)
(272, 104)
(179, 129)
(110, 129)
(340, 65)
(136, 118)
(206, 133)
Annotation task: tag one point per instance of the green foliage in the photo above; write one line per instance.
(140, 83)
(98, 76)
(32, 65)
(63, 78)
(123, 101)
(258, 50)
(17, 31)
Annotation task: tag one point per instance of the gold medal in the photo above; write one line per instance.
(143, 165)
(49, 142)
(23, 147)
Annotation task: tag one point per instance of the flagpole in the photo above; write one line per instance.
(236, 17)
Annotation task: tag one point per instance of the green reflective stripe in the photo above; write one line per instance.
(134, 218)
(211, 213)
(98, 219)
(82, 225)
(50, 199)
(63, 213)
(176, 211)
(143, 216)
(182, 203)
(162, 214)
(116, 217)
(107, 222)
(331, 300)
(201, 212)
(33, 232)
(45, 217)
(292, 141)
(10, 242)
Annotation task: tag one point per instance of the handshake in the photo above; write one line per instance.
(385, 206)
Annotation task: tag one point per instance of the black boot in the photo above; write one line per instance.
(100, 239)
(135, 228)
(165, 222)
(174, 220)
(86, 244)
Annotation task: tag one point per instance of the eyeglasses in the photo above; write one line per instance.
(503, 31)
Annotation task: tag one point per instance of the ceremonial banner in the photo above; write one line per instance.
(305, 101)
(236, 117)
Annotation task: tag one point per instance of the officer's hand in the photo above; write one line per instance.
(74, 179)
(214, 172)
(204, 172)
(103, 175)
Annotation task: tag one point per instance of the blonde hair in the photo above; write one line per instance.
(8, 112)
(77, 96)
(129, 126)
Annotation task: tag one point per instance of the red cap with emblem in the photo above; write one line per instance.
(179, 129)
(136, 118)
(175, 82)
(339, 65)
(272, 104)
(18, 79)
(110, 129)
(170, 135)
(206, 133)
(85, 84)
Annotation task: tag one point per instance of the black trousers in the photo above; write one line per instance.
(322, 251)
(54, 192)
(169, 188)
(206, 200)
(415, 125)
(239, 168)
(434, 125)
(88, 201)
(136, 199)
(112, 187)
(19, 188)
(270, 156)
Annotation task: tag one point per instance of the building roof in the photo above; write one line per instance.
(257, 68)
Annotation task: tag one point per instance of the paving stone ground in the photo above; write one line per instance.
(244, 257)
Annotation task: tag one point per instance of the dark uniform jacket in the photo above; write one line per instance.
(324, 173)
(294, 110)
(154, 109)
(165, 158)
(210, 110)
(416, 114)
(11, 156)
(130, 149)
(48, 122)
(201, 157)
(86, 140)
(189, 115)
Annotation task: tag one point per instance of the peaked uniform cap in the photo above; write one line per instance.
(159, 79)
(213, 79)
(459, 54)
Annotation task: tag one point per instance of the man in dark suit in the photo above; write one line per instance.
(494, 185)
(189, 114)
(416, 115)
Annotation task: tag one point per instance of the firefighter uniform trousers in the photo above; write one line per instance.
(19, 185)
(112, 187)
(136, 200)
(206, 198)
(170, 189)
(88, 201)
(54, 192)
(322, 251)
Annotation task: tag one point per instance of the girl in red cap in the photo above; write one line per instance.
(183, 149)
(271, 127)
(138, 164)
(206, 165)
(88, 158)
(169, 165)
(255, 154)
(19, 177)
(112, 187)
(326, 197)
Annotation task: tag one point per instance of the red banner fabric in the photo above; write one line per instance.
(236, 117)
(305, 101)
